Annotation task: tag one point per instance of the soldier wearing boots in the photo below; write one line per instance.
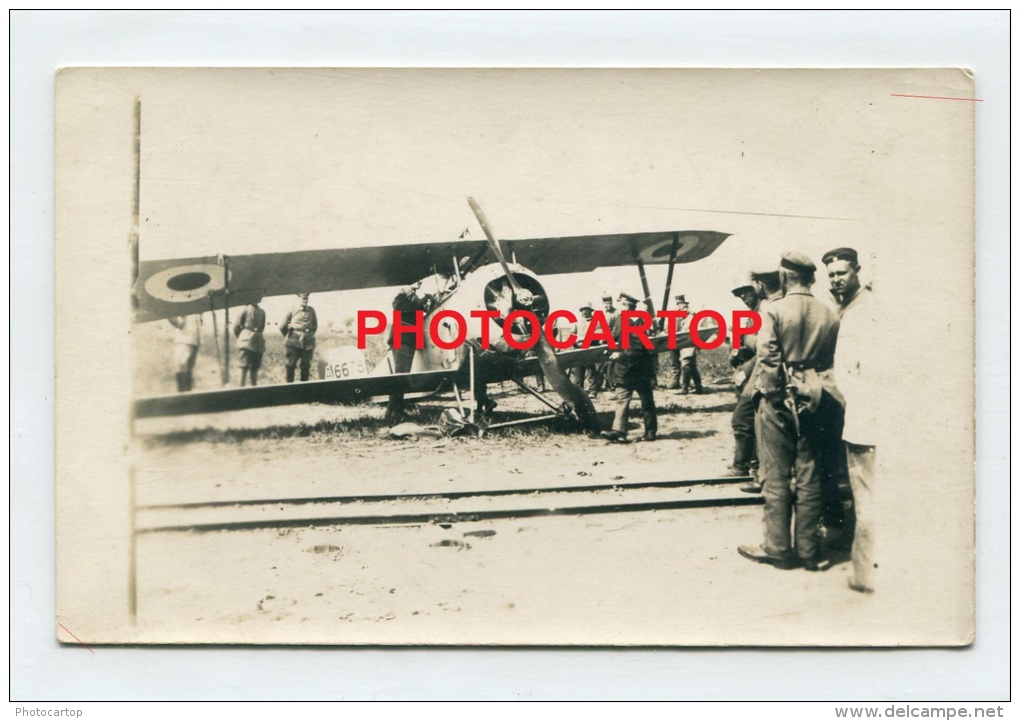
(299, 329)
(745, 456)
(251, 344)
(407, 304)
(765, 281)
(633, 371)
(689, 373)
(798, 404)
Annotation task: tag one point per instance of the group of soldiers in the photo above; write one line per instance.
(298, 329)
(633, 370)
(803, 418)
(681, 371)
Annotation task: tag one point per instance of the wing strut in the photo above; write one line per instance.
(669, 273)
(644, 280)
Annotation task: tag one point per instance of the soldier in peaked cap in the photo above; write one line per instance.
(672, 356)
(251, 342)
(633, 370)
(585, 377)
(299, 328)
(798, 404)
(604, 374)
(765, 281)
(688, 357)
(745, 455)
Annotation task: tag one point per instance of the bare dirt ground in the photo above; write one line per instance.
(651, 577)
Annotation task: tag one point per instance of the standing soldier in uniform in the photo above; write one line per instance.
(186, 343)
(251, 343)
(633, 370)
(688, 356)
(855, 368)
(299, 329)
(745, 456)
(585, 377)
(673, 355)
(765, 281)
(406, 304)
(798, 403)
(612, 316)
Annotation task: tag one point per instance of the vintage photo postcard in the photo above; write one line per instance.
(543, 357)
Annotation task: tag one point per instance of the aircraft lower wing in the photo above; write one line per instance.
(498, 367)
(345, 391)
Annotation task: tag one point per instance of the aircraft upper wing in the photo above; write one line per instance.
(166, 288)
(581, 253)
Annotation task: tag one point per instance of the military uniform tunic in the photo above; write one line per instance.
(799, 331)
(251, 343)
(299, 327)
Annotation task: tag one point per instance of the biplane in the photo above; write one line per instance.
(472, 275)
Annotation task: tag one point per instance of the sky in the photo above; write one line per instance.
(248, 161)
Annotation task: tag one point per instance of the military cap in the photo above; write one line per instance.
(847, 254)
(763, 269)
(797, 262)
(740, 284)
(628, 298)
(606, 295)
(303, 295)
(680, 298)
(588, 305)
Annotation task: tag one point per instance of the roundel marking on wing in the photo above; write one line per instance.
(661, 250)
(186, 282)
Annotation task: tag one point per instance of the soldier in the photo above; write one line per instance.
(745, 456)
(299, 329)
(633, 370)
(186, 343)
(797, 405)
(251, 343)
(585, 377)
(765, 281)
(612, 316)
(855, 369)
(672, 381)
(688, 356)
(407, 304)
